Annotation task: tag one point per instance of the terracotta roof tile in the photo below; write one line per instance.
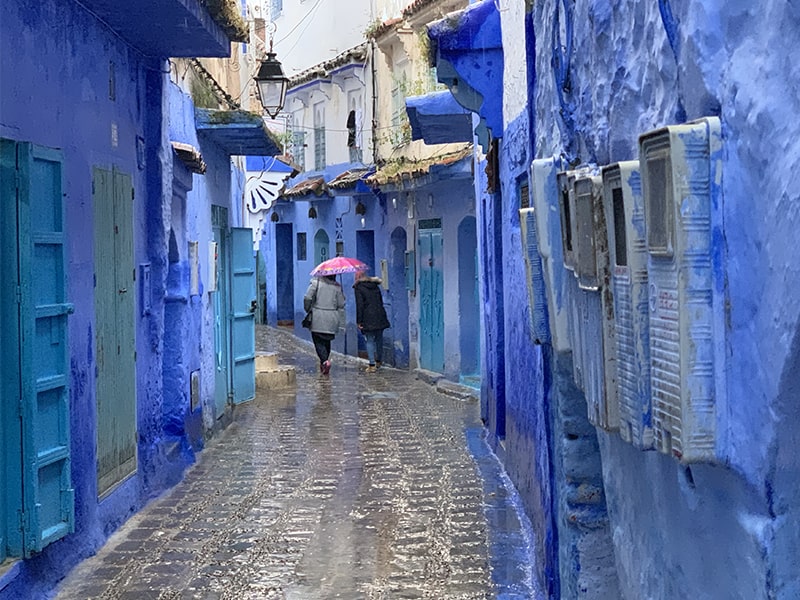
(323, 70)
(348, 178)
(396, 171)
(312, 185)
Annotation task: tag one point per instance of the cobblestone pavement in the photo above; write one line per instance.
(356, 486)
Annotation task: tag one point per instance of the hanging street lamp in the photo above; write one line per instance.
(271, 84)
(270, 80)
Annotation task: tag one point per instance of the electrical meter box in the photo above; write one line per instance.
(566, 207)
(534, 277)
(565, 181)
(545, 192)
(624, 211)
(681, 181)
(597, 331)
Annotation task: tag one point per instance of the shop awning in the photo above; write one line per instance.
(438, 119)
(238, 132)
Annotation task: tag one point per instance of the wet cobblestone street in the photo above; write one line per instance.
(355, 486)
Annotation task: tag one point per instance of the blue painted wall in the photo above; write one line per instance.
(607, 72)
(55, 92)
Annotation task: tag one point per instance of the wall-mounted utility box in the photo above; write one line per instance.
(545, 196)
(596, 329)
(624, 212)
(534, 277)
(681, 177)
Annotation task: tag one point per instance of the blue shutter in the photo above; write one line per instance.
(243, 298)
(48, 497)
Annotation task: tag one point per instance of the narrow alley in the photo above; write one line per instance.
(350, 486)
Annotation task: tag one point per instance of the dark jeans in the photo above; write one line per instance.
(322, 344)
(374, 341)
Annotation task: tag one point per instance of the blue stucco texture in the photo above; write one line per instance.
(605, 74)
(467, 47)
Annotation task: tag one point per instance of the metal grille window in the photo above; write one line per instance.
(302, 247)
(319, 137)
(339, 248)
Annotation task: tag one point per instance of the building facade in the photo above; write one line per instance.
(122, 212)
(644, 418)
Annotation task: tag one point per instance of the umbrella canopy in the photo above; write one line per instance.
(338, 264)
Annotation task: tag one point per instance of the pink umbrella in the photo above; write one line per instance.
(338, 264)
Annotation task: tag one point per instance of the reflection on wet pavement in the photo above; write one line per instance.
(350, 486)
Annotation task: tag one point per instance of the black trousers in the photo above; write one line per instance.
(322, 344)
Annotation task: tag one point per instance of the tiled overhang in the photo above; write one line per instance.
(467, 49)
(312, 186)
(166, 28)
(351, 182)
(237, 132)
(190, 156)
(406, 175)
(438, 119)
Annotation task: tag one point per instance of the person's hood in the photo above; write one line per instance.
(369, 281)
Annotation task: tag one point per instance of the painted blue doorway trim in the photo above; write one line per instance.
(243, 304)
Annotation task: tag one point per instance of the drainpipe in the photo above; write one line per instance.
(375, 156)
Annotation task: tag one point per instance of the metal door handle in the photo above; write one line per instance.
(253, 306)
(123, 290)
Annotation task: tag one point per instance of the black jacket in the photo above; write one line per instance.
(370, 314)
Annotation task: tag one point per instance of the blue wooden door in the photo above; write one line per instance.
(243, 305)
(40, 333)
(431, 299)
(115, 344)
(222, 340)
(284, 273)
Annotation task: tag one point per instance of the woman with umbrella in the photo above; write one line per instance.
(325, 300)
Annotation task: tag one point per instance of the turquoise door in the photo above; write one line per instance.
(431, 297)
(38, 499)
(115, 382)
(243, 305)
(222, 340)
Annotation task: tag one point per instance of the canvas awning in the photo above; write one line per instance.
(438, 119)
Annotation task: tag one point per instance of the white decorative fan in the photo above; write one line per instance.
(262, 188)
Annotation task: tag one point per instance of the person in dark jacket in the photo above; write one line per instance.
(371, 317)
(325, 299)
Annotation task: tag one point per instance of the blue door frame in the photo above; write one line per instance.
(243, 305)
(223, 386)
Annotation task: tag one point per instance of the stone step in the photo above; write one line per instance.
(278, 377)
(266, 361)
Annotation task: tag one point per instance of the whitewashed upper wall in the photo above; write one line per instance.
(312, 31)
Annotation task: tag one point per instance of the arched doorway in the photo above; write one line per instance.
(468, 301)
(322, 247)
